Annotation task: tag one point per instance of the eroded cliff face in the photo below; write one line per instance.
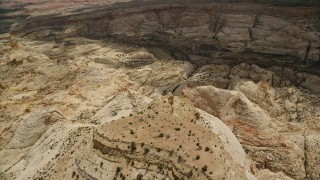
(153, 90)
(201, 33)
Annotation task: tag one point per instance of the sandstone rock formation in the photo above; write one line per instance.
(265, 132)
(160, 90)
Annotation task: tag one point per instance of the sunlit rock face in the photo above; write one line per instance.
(159, 90)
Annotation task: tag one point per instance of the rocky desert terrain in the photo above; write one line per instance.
(160, 89)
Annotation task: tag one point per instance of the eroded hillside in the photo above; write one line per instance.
(160, 90)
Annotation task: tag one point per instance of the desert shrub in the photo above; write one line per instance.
(204, 168)
(146, 151)
(207, 149)
(133, 146)
(161, 135)
(118, 170)
(139, 177)
(170, 153)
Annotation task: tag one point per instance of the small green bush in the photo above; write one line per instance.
(207, 149)
(133, 146)
(146, 151)
(204, 168)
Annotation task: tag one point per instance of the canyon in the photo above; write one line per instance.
(160, 90)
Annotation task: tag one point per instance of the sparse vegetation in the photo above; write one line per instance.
(197, 115)
(161, 135)
(139, 177)
(123, 177)
(170, 153)
(133, 146)
(184, 120)
(146, 151)
(204, 168)
(207, 149)
(118, 170)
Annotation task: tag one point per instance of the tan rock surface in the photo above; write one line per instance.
(165, 137)
(159, 90)
(262, 126)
